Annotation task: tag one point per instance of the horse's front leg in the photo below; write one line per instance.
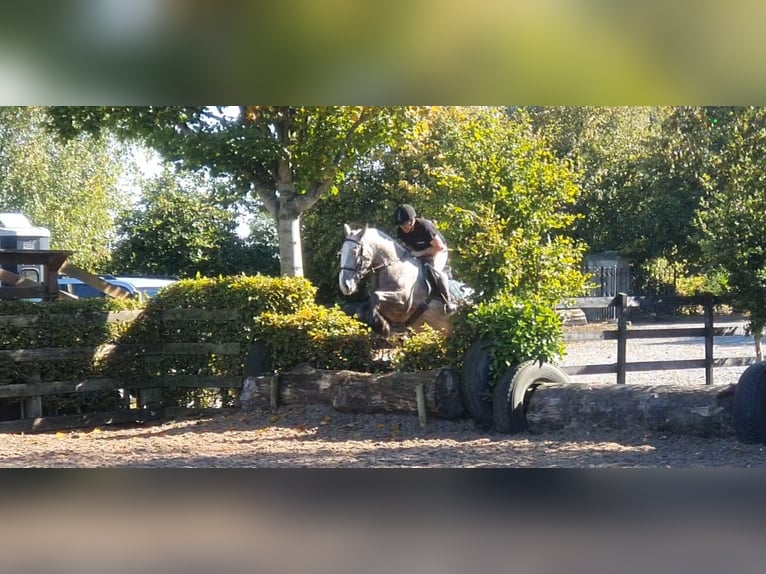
(396, 310)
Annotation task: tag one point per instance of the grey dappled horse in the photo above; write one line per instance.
(399, 287)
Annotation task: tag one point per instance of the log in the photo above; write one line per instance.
(355, 392)
(704, 411)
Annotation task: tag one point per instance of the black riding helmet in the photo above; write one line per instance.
(404, 213)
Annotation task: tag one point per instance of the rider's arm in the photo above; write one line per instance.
(437, 246)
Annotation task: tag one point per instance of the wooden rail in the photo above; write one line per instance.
(623, 304)
(30, 393)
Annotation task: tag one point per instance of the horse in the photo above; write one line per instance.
(400, 293)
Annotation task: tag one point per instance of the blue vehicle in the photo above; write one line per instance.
(139, 287)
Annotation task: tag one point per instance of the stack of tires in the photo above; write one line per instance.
(749, 409)
(502, 407)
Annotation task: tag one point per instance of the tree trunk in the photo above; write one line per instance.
(353, 392)
(678, 409)
(290, 255)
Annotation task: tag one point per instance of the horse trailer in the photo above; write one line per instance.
(16, 232)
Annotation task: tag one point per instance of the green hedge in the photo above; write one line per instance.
(249, 297)
(520, 329)
(280, 312)
(325, 338)
(55, 324)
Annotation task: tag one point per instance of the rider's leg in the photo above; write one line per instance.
(442, 280)
(443, 283)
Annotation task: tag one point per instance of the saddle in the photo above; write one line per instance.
(430, 276)
(434, 281)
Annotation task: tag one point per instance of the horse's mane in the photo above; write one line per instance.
(401, 251)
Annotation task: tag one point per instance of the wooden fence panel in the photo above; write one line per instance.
(30, 393)
(622, 303)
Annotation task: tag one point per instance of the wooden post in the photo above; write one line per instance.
(32, 407)
(622, 336)
(420, 398)
(708, 340)
(274, 393)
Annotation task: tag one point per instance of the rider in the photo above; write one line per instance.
(427, 244)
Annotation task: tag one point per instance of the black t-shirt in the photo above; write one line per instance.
(421, 235)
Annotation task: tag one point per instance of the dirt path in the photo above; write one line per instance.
(322, 437)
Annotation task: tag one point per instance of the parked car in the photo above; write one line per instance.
(144, 287)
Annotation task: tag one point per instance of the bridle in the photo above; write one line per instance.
(363, 264)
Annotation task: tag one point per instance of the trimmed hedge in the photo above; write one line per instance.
(325, 338)
(278, 311)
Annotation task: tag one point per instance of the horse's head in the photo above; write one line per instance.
(355, 260)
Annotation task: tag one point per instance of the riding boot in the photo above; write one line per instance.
(442, 282)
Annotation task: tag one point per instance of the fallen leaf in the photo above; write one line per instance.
(325, 421)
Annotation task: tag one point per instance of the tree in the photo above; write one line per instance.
(288, 157)
(510, 222)
(731, 218)
(73, 189)
(176, 229)
(497, 192)
(643, 171)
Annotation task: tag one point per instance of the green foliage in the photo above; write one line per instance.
(78, 327)
(424, 350)
(70, 188)
(288, 157)
(520, 329)
(250, 295)
(62, 324)
(177, 229)
(498, 194)
(323, 337)
(731, 219)
(643, 174)
(510, 219)
(75, 324)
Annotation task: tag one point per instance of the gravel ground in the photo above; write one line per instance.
(318, 436)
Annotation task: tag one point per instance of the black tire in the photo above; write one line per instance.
(258, 360)
(749, 408)
(475, 387)
(510, 398)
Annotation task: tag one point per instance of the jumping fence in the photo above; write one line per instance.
(140, 397)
